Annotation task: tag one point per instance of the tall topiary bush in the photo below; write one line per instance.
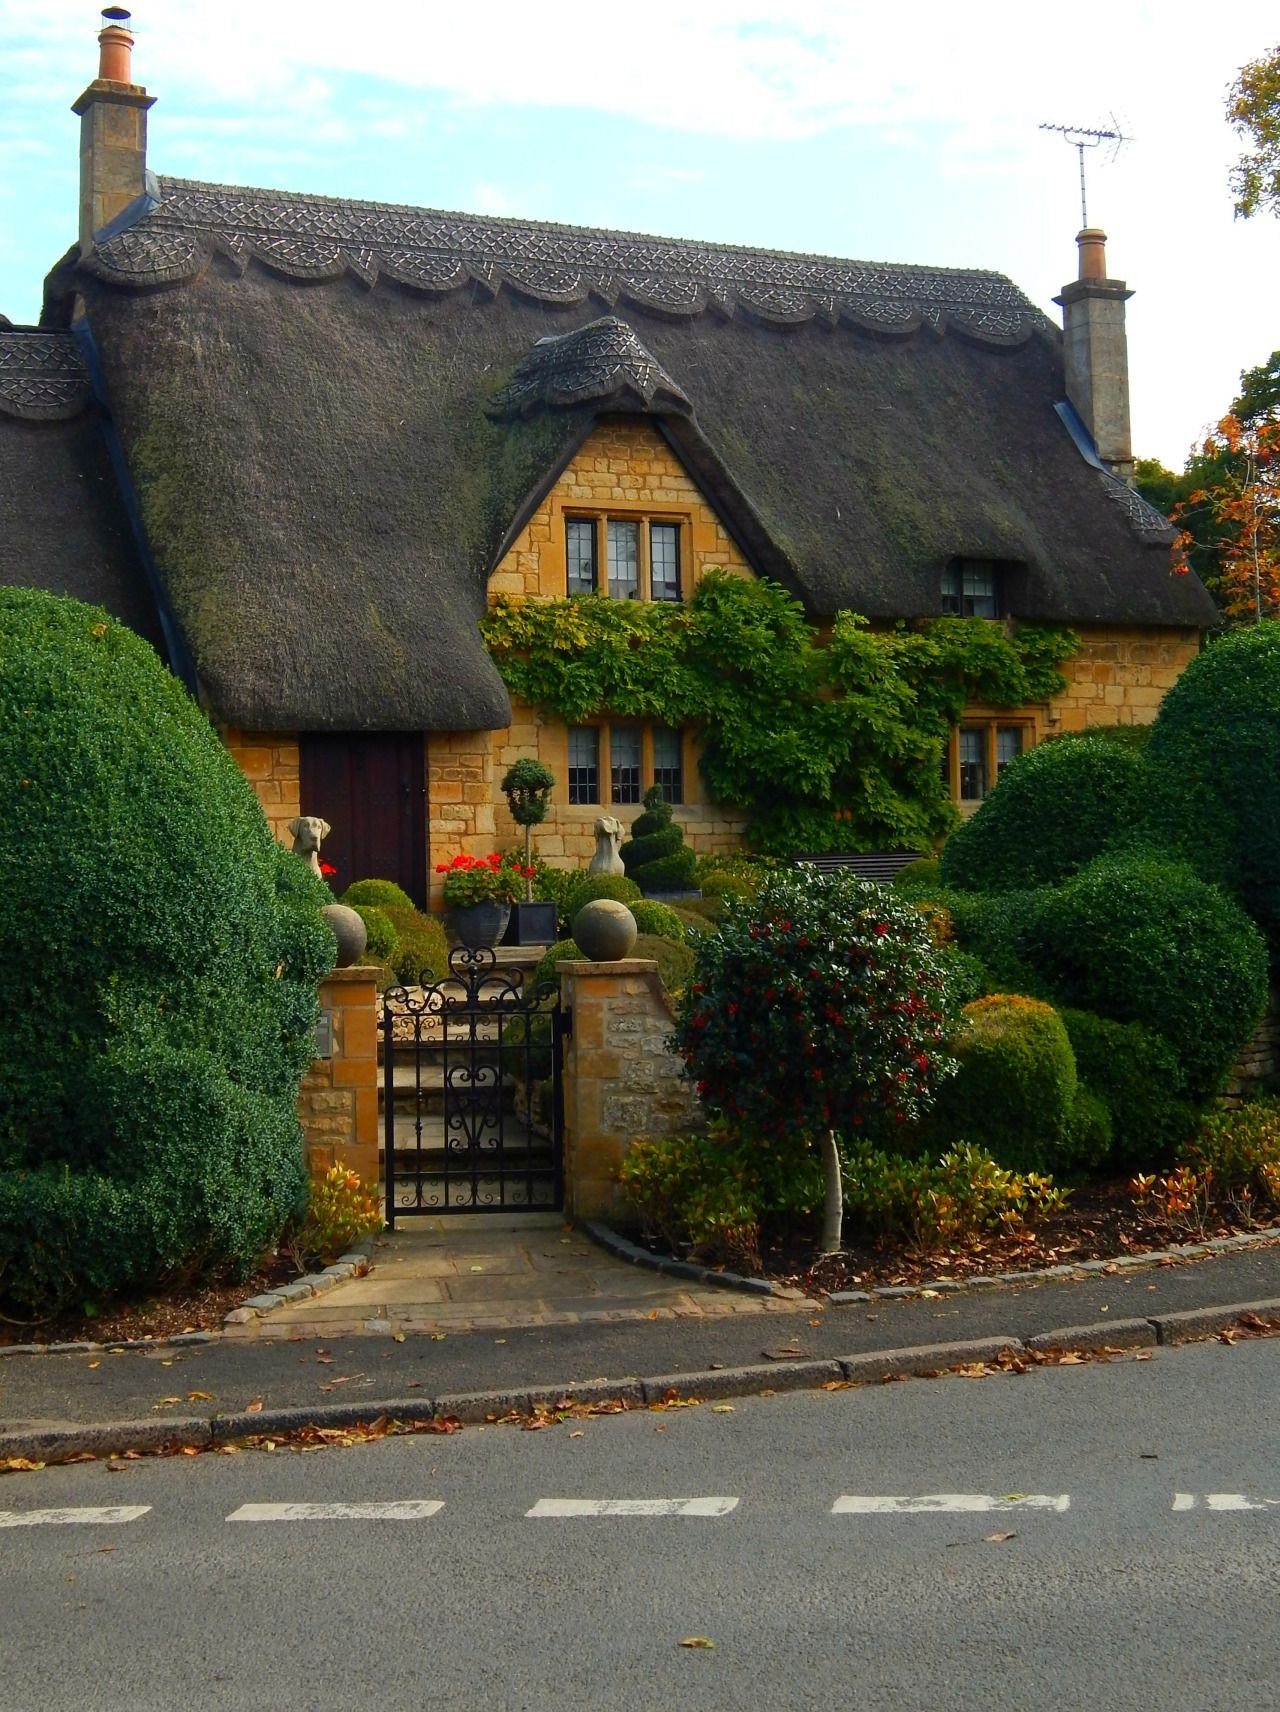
(1056, 808)
(1139, 938)
(1214, 760)
(655, 856)
(159, 955)
(817, 1010)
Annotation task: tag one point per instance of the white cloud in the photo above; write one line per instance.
(957, 91)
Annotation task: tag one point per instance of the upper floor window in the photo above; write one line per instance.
(642, 557)
(971, 589)
(580, 544)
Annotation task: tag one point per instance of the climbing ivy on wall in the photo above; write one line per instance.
(827, 742)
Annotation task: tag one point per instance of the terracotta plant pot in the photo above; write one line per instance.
(480, 925)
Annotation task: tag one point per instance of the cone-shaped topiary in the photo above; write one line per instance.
(159, 954)
(655, 856)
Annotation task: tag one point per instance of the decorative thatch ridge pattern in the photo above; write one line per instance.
(603, 362)
(42, 375)
(318, 237)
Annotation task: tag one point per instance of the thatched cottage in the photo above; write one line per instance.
(300, 442)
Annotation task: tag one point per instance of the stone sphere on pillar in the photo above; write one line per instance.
(604, 931)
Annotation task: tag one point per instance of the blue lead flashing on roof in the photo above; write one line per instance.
(1080, 435)
(137, 210)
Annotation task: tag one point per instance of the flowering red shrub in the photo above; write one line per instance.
(817, 1006)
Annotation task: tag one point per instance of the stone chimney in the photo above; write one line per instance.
(1096, 352)
(113, 130)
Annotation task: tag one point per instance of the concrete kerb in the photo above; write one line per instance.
(623, 1249)
(353, 1264)
(634, 1255)
(56, 1442)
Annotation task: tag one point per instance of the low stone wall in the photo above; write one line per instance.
(1260, 1060)
(621, 1080)
(338, 1101)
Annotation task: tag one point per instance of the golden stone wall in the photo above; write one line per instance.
(269, 760)
(623, 469)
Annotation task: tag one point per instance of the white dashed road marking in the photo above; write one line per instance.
(105, 1513)
(949, 1504)
(405, 1510)
(633, 1507)
(1223, 1501)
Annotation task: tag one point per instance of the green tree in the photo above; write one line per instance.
(1253, 108)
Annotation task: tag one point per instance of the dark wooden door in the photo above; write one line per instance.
(371, 788)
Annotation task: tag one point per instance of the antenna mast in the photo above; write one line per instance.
(1081, 138)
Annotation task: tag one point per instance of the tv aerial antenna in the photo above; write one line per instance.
(1081, 137)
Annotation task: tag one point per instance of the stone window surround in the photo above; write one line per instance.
(989, 725)
(643, 513)
(646, 729)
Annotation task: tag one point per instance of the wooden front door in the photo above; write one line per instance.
(371, 786)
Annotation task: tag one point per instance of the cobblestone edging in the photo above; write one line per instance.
(353, 1264)
(637, 1256)
(59, 1442)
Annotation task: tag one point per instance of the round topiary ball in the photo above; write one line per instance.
(1056, 808)
(1015, 1093)
(590, 886)
(1138, 937)
(148, 916)
(606, 930)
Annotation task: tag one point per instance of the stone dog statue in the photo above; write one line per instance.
(309, 831)
(608, 837)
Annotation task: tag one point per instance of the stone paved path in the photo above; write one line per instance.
(485, 1273)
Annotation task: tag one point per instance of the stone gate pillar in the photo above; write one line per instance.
(338, 1101)
(621, 1080)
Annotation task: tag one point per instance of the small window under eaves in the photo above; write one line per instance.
(974, 588)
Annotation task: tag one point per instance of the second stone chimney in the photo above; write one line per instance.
(113, 130)
(1096, 352)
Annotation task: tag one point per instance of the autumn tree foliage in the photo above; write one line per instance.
(818, 1010)
(1241, 503)
(1226, 500)
(1253, 108)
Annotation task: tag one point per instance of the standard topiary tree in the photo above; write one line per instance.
(527, 785)
(159, 955)
(655, 856)
(1056, 808)
(1214, 760)
(818, 1009)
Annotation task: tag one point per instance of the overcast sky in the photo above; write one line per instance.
(887, 133)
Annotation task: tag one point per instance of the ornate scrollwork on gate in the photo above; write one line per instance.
(471, 1067)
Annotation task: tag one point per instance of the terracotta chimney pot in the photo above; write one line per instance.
(1093, 253)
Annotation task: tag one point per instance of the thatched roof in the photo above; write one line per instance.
(62, 524)
(337, 413)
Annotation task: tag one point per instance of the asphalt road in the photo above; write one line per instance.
(1129, 1557)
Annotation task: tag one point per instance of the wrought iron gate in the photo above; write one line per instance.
(473, 1115)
